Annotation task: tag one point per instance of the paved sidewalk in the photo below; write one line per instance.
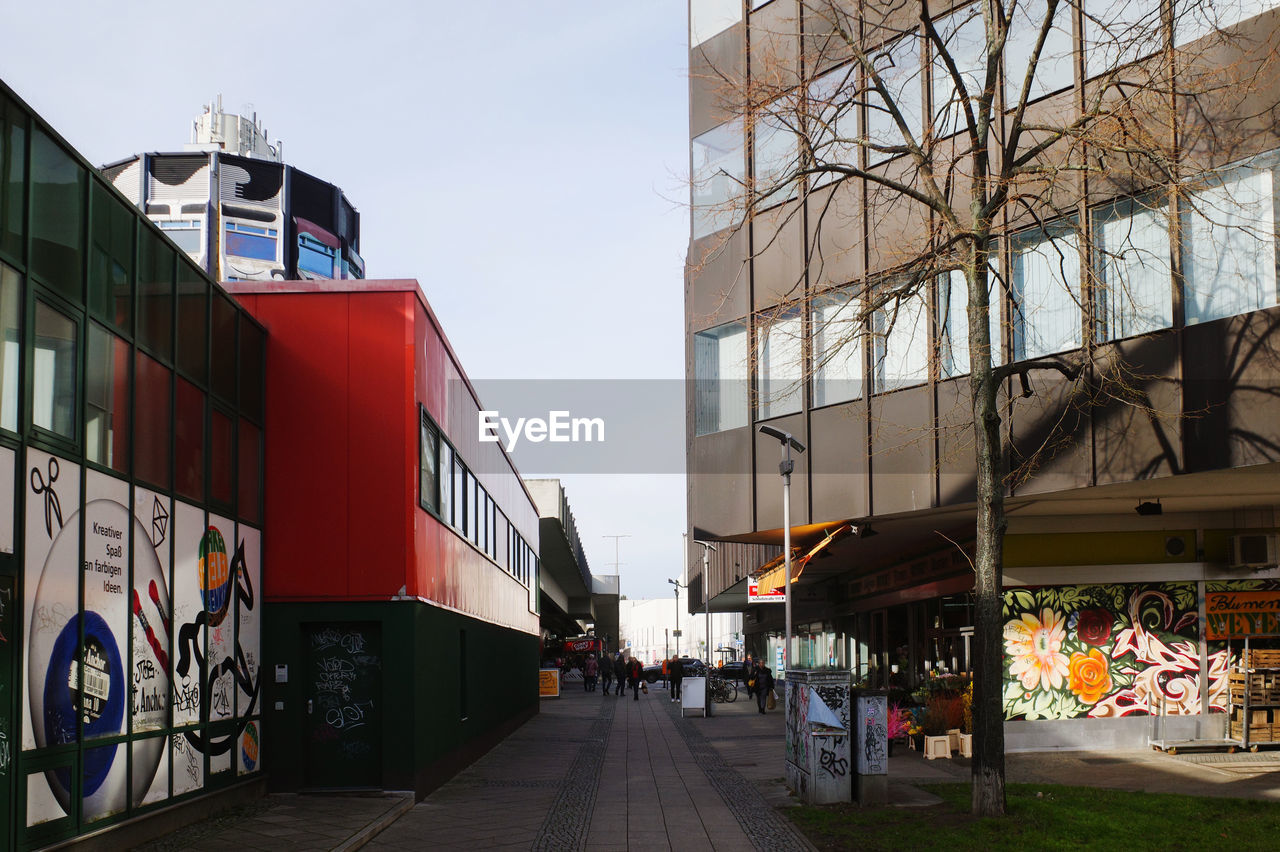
(591, 772)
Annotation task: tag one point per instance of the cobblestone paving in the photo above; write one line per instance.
(568, 819)
(764, 825)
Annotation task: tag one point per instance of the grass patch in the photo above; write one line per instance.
(1057, 818)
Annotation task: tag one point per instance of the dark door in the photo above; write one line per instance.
(344, 705)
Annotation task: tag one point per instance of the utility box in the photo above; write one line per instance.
(872, 746)
(818, 759)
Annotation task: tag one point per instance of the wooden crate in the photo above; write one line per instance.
(1257, 733)
(1257, 658)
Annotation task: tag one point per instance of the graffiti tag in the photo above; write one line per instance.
(833, 765)
(352, 641)
(349, 716)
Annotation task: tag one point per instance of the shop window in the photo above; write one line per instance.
(10, 345)
(720, 378)
(250, 241)
(965, 36)
(780, 363)
(1229, 258)
(1135, 292)
(719, 178)
(54, 372)
(709, 18)
(1055, 70)
(106, 403)
(898, 65)
(221, 465)
(57, 216)
(13, 176)
(193, 322)
(833, 121)
(249, 472)
(1117, 32)
(429, 466)
(901, 337)
(111, 258)
(189, 441)
(837, 347)
(1046, 294)
(155, 294)
(222, 365)
(152, 423)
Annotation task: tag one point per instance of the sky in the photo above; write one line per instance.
(526, 162)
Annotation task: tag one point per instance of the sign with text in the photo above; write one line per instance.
(755, 594)
(1233, 615)
(548, 683)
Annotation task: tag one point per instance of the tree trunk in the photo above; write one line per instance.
(988, 671)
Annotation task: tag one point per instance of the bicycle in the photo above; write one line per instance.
(722, 691)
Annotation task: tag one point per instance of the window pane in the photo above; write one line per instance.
(965, 37)
(720, 378)
(252, 353)
(193, 321)
(898, 65)
(1117, 32)
(429, 466)
(111, 258)
(833, 121)
(953, 323)
(315, 258)
(10, 345)
(57, 216)
(902, 343)
(250, 242)
(106, 404)
(13, 179)
(53, 391)
(459, 496)
(249, 472)
(1046, 293)
(189, 435)
(719, 174)
(837, 347)
(222, 374)
(1229, 247)
(1136, 291)
(711, 17)
(775, 156)
(1055, 70)
(780, 363)
(186, 235)
(220, 458)
(446, 482)
(155, 293)
(152, 420)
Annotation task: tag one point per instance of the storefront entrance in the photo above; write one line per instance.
(344, 698)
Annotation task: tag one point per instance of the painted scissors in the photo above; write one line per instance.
(52, 506)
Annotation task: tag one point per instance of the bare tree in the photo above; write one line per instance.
(961, 124)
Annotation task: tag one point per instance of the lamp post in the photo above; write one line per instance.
(707, 547)
(785, 468)
(678, 587)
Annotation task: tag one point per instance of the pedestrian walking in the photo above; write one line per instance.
(634, 672)
(620, 673)
(764, 684)
(590, 671)
(677, 677)
(749, 676)
(606, 674)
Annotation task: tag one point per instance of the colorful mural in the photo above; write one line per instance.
(1106, 650)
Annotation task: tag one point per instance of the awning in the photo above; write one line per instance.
(772, 575)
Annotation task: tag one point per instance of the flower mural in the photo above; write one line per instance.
(1106, 650)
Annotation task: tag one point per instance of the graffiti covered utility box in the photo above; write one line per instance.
(871, 749)
(818, 767)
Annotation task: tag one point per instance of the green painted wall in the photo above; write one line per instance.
(1095, 548)
(424, 668)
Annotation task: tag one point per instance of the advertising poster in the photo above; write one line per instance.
(219, 566)
(249, 632)
(152, 616)
(188, 622)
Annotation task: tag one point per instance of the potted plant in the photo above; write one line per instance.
(966, 736)
(935, 723)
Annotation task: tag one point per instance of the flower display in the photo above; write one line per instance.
(1035, 643)
(1093, 626)
(1088, 676)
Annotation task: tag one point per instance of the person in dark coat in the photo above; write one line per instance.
(677, 677)
(764, 684)
(749, 676)
(589, 671)
(606, 674)
(620, 673)
(634, 672)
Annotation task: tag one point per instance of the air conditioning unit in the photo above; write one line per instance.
(1254, 550)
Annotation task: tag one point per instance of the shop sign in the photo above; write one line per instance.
(757, 595)
(1233, 615)
(582, 646)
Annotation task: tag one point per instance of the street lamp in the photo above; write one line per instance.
(707, 547)
(678, 586)
(785, 467)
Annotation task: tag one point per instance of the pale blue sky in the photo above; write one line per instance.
(526, 162)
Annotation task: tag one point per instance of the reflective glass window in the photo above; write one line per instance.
(252, 363)
(708, 18)
(833, 121)
(106, 400)
(190, 456)
(222, 366)
(155, 293)
(10, 345)
(837, 347)
(1135, 288)
(720, 378)
(719, 175)
(221, 464)
(1055, 69)
(111, 258)
(429, 465)
(1046, 294)
(965, 37)
(54, 372)
(898, 65)
(780, 362)
(193, 321)
(57, 216)
(1117, 32)
(152, 419)
(13, 176)
(901, 341)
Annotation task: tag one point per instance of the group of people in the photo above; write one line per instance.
(621, 672)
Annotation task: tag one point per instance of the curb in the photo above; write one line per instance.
(377, 826)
